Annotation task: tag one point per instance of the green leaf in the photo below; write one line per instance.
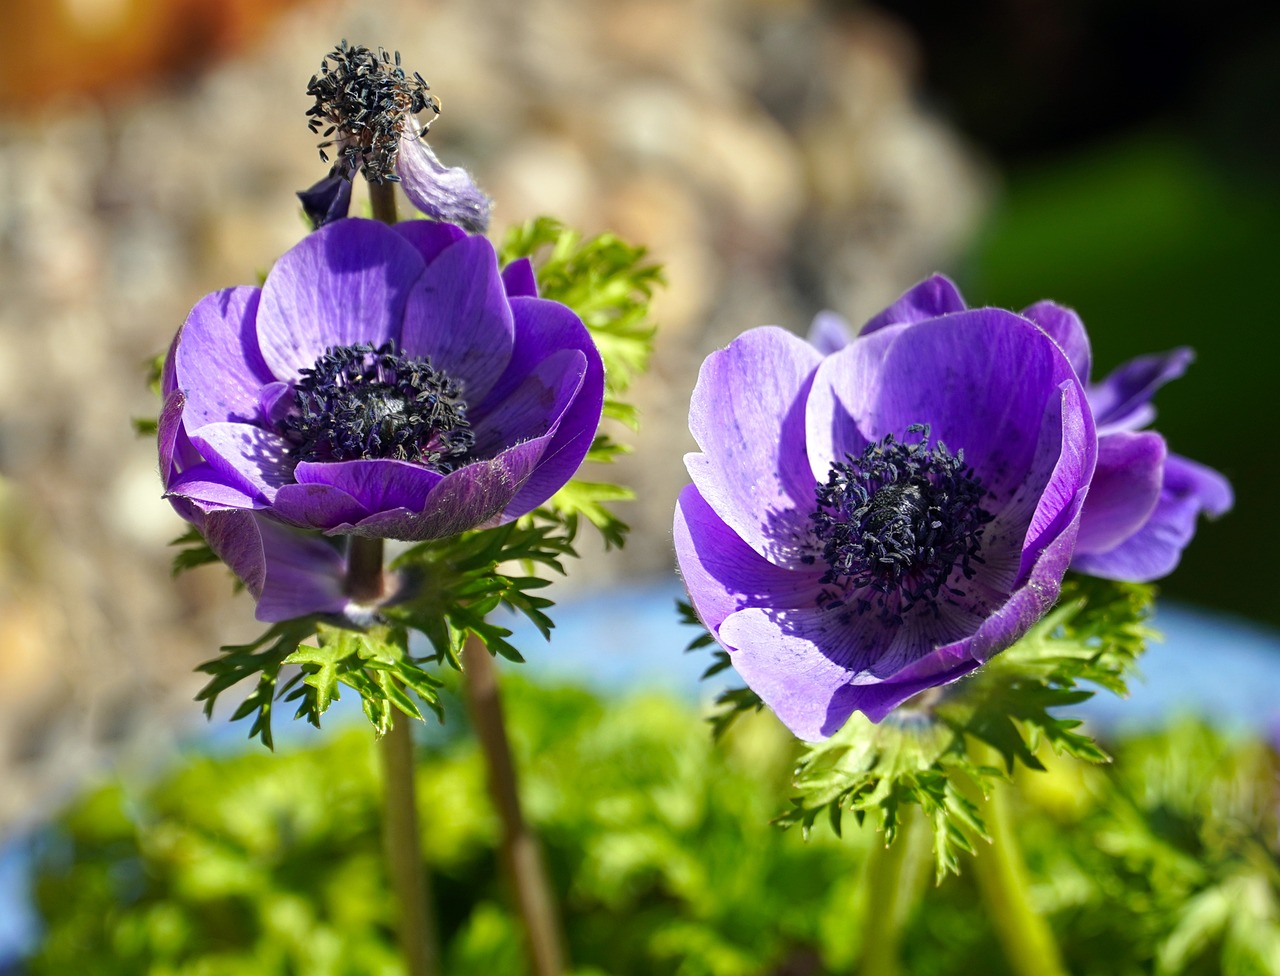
(610, 285)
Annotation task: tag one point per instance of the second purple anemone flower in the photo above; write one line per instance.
(1144, 499)
(387, 382)
(881, 520)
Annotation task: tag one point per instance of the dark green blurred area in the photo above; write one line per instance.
(1138, 147)
(662, 856)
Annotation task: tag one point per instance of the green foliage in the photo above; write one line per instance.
(455, 583)
(609, 284)
(1165, 862)
(935, 752)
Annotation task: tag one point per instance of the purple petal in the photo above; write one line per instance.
(747, 415)
(519, 279)
(429, 237)
(829, 333)
(798, 672)
(304, 575)
(1067, 330)
(472, 497)
(377, 484)
(1122, 400)
(317, 506)
(1068, 433)
(289, 573)
(248, 458)
(441, 192)
(344, 284)
(932, 297)
(327, 200)
(204, 487)
(217, 364)
(542, 328)
(1155, 550)
(535, 407)
(723, 574)
(1124, 491)
(981, 380)
(458, 316)
(845, 390)
(174, 447)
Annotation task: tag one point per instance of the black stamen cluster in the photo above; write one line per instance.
(362, 402)
(896, 522)
(365, 98)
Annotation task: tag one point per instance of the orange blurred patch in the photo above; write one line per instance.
(59, 48)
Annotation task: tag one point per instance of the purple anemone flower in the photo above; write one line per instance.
(388, 382)
(881, 520)
(1144, 500)
(366, 106)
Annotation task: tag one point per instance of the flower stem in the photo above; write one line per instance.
(365, 581)
(418, 940)
(892, 883)
(521, 853)
(1001, 874)
(419, 943)
(382, 197)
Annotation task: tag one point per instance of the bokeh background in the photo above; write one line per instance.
(778, 156)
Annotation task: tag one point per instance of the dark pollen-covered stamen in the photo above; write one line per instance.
(362, 402)
(364, 100)
(897, 522)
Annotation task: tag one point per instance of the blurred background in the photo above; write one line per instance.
(778, 156)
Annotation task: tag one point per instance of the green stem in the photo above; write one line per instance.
(521, 853)
(892, 883)
(1001, 874)
(382, 197)
(365, 581)
(419, 942)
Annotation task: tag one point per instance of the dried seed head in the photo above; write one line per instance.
(363, 103)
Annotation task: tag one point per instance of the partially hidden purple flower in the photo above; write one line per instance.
(868, 524)
(1144, 500)
(366, 106)
(388, 382)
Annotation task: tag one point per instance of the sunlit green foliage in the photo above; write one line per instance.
(456, 583)
(1166, 862)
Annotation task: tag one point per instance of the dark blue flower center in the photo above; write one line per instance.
(896, 523)
(362, 402)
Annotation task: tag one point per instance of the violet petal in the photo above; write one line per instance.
(1188, 490)
(747, 415)
(344, 284)
(441, 192)
(459, 318)
(217, 363)
(1066, 329)
(1124, 491)
(936, 295)
(1121, 401)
